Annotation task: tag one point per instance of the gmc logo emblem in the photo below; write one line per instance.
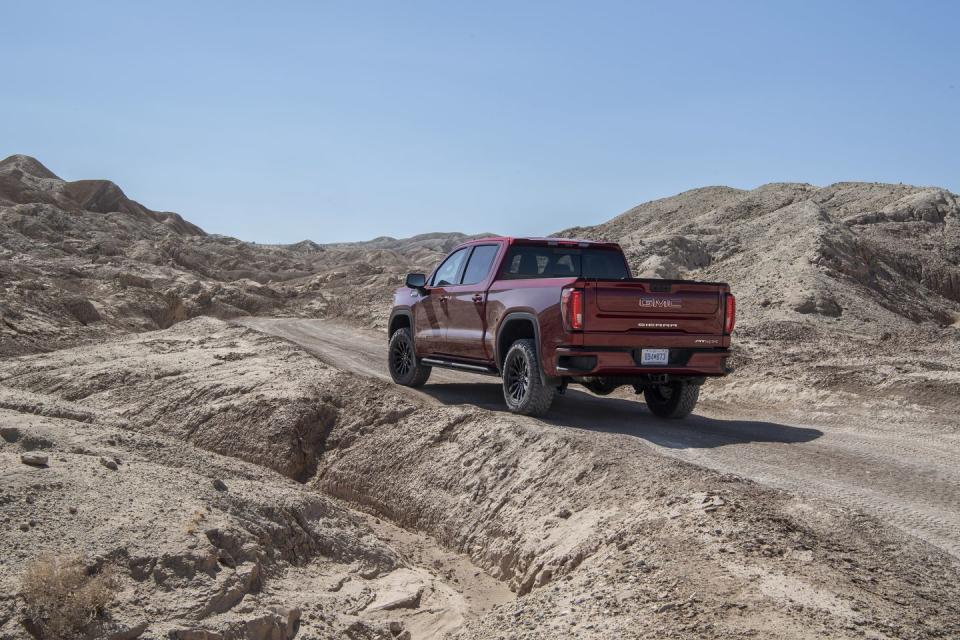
(659, 302)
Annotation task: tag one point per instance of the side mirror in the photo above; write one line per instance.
(416, 281)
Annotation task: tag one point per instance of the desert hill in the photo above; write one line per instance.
(24, 180)
(851, 287)
(80, 260)
(871, 254)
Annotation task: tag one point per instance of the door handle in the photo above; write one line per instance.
(478, 298)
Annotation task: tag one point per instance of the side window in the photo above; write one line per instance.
(480, 262)
(446, 275)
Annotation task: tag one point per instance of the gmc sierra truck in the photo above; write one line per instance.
(543, 312)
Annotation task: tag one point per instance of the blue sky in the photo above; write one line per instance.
(275, 122)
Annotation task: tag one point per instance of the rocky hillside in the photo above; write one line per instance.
(851, 287)
(23, 180)
(869, 255)
(80, 260)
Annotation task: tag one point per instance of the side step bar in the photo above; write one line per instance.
(462, 366)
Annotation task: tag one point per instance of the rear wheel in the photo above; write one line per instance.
(523, 385)
(402, 360)
(672, 400)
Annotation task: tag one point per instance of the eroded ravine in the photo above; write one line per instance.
(899, 465)
(347, 347)
(213, 544)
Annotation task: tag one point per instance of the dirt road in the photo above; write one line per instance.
(900, 469)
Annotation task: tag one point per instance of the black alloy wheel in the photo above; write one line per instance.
(402, 360)
(525, 389)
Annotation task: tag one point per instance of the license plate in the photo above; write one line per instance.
(654, 356)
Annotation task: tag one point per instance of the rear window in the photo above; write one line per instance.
(533, 261)
(481, 260)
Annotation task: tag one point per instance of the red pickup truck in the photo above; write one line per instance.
(543, 312)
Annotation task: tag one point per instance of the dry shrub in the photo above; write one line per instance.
(193, 522)
(62, 597)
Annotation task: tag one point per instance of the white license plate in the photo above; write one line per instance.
(654, 356)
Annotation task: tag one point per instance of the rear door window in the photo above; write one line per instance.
(480, 263)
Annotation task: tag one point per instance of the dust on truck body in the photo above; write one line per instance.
(542, 313)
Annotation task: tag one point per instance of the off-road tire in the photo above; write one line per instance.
(672, 400)
(523, 385)
(405, 368)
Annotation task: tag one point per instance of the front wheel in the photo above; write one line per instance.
(672, 400)
(402, 360)
(523, 385)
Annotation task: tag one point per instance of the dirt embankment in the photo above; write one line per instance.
(597, 542)
(876, 452)
(194, 541)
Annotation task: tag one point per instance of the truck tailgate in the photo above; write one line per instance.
(651, 306)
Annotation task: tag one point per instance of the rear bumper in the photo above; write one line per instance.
(625, 361)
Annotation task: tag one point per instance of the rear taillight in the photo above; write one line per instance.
(730, 317)
(571, 308)
(576, 309)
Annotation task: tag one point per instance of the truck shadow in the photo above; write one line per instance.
(580, 410)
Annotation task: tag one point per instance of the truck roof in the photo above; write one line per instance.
(534, 240)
